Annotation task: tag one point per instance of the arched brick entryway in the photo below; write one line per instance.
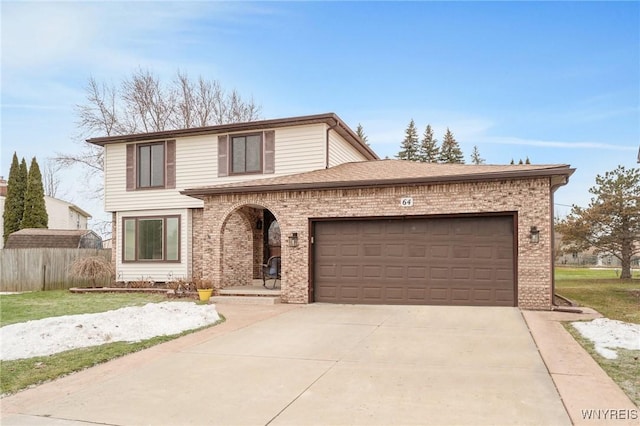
(244, 245)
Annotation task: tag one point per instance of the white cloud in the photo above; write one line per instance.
(554, 144)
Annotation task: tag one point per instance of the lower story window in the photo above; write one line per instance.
(151, 239)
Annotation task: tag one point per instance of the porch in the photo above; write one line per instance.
(254, 294)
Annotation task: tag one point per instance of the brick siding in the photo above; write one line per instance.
(228, 227)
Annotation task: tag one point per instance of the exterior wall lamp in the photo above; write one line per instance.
(534, 234)
(293, 240)
(259, 224)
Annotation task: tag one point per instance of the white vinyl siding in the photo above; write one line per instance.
(341, 151)
(156, 271)
(297, 149)
(300, 149)
(117, 198)
(63, 215)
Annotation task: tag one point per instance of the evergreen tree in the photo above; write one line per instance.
(475, 156)
(520, 162)
(361, 135)
(512, 163)
(428, 150)
(450, 151)
(35, 211)
(14, 203)
(409, 146)
(527, 161)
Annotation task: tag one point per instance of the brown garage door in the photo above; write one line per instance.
(432, 261)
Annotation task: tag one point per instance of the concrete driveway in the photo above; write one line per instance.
(317, 365)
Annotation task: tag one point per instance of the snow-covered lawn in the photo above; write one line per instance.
(608, 335)
(132, 324)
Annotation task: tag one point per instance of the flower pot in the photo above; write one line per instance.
(205, 293)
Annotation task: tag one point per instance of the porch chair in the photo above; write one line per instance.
(271, 270)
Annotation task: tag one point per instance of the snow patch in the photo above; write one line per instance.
(131, 324)
(608, 335)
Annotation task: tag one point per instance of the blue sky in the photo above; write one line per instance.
(558, 82)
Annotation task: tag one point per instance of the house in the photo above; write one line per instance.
(218, 201)
(53, 238)
(62, 215)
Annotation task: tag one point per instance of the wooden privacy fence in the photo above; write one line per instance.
(35, 269)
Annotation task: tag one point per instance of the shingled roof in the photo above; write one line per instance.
(329, 118)
(52, 238)
(385, 173)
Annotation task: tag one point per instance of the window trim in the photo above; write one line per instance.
(164, 166)
(168, 166)
(164, 239)
(230, 154)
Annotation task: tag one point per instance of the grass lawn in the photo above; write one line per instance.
(599, 289)
(22, 373)
(615, 299)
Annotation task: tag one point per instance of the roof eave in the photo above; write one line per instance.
(520, 174)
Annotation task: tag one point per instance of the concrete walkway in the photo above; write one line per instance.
(325, 365)
(588, 393)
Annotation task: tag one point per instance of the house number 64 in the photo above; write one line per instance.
(406, 202)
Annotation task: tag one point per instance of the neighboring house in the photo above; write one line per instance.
(354, 229)
(588, 257)
(62, 215)
(53, 238)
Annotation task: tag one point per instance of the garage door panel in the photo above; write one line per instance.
(417, 250)
(438, 294)
(350, 271)
(395, 293)
(462, 261)
(395, 250)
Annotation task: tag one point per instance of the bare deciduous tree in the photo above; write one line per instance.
(143, 103)
(51, 178)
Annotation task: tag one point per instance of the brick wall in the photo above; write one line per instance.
(530, 198)
(197, 238)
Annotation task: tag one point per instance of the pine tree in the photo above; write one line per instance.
(409, 146)
(450, 151)
(361, 135)
(475, 156)
(14, 203)
(35, 210)
(527, 161)
(428, 150)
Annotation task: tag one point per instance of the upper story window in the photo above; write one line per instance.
(246, 154)
(151, 165)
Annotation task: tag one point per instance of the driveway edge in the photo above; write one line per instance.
(589, 395)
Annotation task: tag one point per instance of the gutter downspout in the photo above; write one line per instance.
(326, 155)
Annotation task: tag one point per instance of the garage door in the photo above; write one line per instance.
(432, 261)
